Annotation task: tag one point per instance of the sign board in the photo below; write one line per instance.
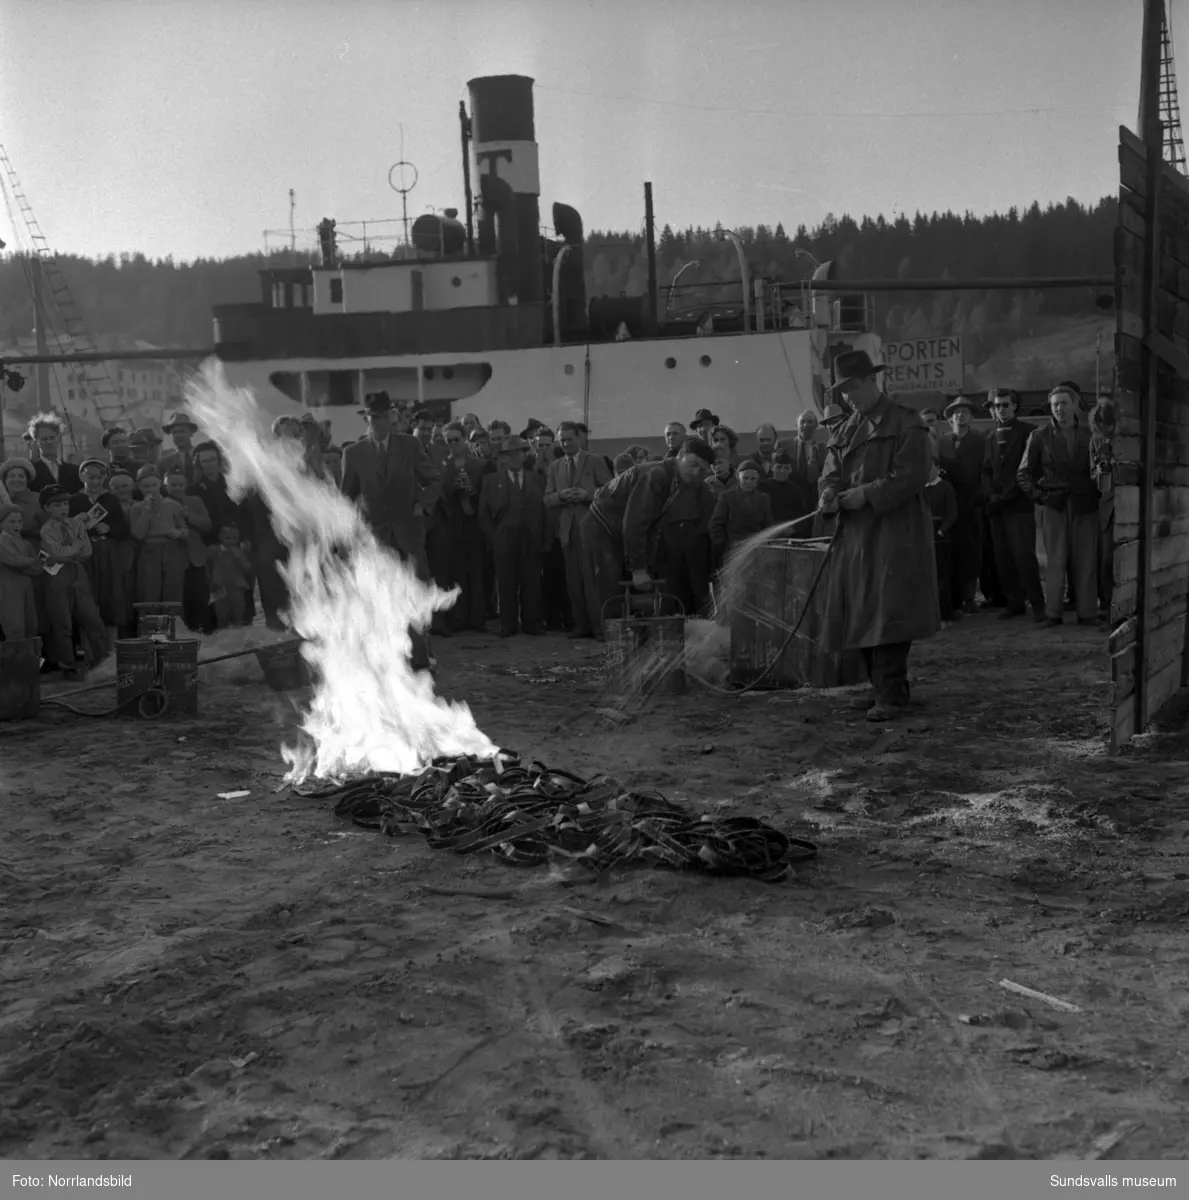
(924, 365)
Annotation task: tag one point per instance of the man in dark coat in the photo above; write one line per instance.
(437, 535)
(574, 479)
(687, 557)
(395, 484)
(1055, 473)
(627, 516)
(1010, 511)
(512, 515)
(555, 597)
(883, 580)
(962, 464)
(462, 480)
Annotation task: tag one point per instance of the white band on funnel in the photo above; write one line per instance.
(513, 162)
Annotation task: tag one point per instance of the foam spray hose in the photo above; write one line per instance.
(788, 641)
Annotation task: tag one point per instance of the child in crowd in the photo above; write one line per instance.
(195, 594)
(624, 462)
(159, 524)
(228, 569)
(787, 497)
(19, 565)
(741, 512)
(122, 487)
(722, 478)
(943, 504)
(65, 548)
(107, 526)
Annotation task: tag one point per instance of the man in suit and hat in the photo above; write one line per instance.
(573, 481)
(703, 424)
(962, 464)
(437, 532)
(883, 580)
(394, 483)
(512, 515)
(181, 430)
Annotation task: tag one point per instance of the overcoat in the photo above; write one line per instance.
(883, 575)
(387, 488)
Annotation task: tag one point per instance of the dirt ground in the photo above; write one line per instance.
(189, 976)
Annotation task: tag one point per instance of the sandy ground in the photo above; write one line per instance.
(190, 976)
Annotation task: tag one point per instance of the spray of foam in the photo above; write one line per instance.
(352, 600)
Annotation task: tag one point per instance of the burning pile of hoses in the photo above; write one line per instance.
(531, 814)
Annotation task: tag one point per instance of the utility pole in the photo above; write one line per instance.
(39, 332)
(650, 239)
(292, 229)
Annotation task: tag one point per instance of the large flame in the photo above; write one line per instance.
(352, 600)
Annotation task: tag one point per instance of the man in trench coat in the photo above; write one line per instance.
(395, 485)
(882, 593)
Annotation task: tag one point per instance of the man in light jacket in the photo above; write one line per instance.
(882, 593)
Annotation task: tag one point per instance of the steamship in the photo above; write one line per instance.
(489, 316)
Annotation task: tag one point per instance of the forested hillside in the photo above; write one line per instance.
(170, 303)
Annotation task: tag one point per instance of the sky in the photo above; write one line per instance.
(177, 129)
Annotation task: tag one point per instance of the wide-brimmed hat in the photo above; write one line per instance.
(180, 420)
(145, 437)
(853, 364)
(23, 463)
(959, 402)
(376, 404)
(515, 443)
(703, 415)
(835, 414)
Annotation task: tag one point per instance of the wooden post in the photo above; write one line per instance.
(1153, 137)
(650, 242)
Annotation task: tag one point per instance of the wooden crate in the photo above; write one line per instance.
(770, 604)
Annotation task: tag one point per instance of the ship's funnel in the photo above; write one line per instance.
(503, 144)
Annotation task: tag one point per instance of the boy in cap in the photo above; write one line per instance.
(741, 512)
(786, 492)
(158, 524)
(962, 462)
(65, 547)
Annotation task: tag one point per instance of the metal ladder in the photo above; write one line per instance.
(1170, 108)
(96, 383)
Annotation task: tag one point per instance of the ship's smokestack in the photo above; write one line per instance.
(503, 144)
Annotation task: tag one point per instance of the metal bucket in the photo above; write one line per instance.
(179, 674)
(157, 616)
(284, 667)
(136, 672)
(645, 655)
(20, 679)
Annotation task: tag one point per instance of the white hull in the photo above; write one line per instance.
(630, 394)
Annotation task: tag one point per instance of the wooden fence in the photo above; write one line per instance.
(1150, 644)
